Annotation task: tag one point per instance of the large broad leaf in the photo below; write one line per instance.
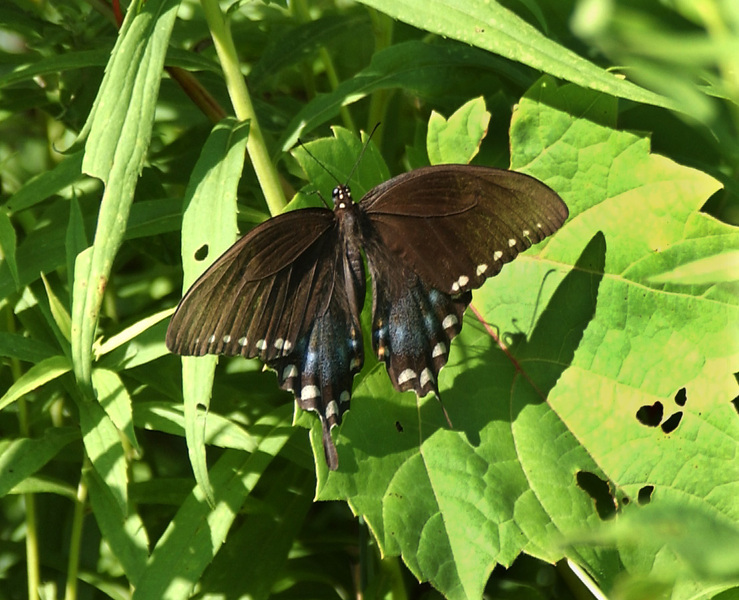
(563, 428)
(491, 26)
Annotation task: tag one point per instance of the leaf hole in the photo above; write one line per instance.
(645, 494)
(398, 426)
(201, 253)
(681, 397)
(651, 416)
(672, 422)
(599, 491)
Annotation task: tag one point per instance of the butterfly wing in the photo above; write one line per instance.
(280, 294)
(258, 297)
(457, 225)
(431, 236)
(412, 323)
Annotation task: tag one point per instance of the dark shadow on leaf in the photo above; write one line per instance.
(532, 366)
(480, 393)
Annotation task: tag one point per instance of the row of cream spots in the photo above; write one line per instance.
(279, 343)
(409, 374)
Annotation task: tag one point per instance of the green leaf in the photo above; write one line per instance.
(119, 132)
(267, 537)
(104, 448)
(21, 458)
(58, 311)
(114, 398)
(586, 336)
(8, 243)
(339, 155)
(39, 374)
(23, 348)
(719, 268)
(707, 545)
(76, 239)
(48, 183)
(210, 226)
(169, 573)
(217, 430)
(458, 139)
(123, 530)
(415, 67)
(493, 27)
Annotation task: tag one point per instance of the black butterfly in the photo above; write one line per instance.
(290, 292)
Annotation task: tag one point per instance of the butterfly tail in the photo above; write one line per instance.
(329, 448)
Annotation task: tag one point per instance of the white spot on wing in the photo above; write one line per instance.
(211, 339)
(426, 377)
(279, 343)
(289, 371)
(406, 376)
(332, 410)
(286, 347)
(261, 344)
(455, 287)
(439, 350)
(511, 242)
(226, 339)
(344, 396)
(497, 255)
(526, 233)
(481, 268)
(449, 321)
(309, 392)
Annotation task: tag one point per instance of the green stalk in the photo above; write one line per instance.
(73, 567)
(33, 572)
(266, 173)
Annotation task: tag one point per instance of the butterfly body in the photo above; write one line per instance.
(292, 290)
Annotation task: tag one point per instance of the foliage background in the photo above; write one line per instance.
(625, 321)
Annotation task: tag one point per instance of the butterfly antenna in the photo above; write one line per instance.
(356, 163)
(361, 154)
(320, 164)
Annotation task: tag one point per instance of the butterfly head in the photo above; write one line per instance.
(341, 196)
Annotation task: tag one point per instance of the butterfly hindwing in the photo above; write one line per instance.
(456, 225)
(412, 323)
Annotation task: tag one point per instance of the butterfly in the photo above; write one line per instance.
(291, 291)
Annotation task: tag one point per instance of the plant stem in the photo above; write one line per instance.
(29, 500)
(70, 592)
(266, 173)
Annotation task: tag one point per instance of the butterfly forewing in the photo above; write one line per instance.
(456, 225)
(258, 298)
